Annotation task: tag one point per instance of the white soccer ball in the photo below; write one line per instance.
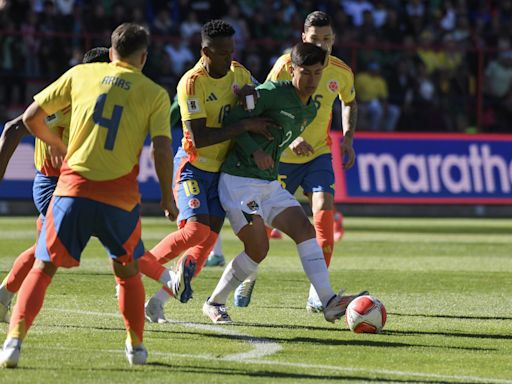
(366, 314)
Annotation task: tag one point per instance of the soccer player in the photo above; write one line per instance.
(44, 183)
(206, 94)
(308, 161)
(252, 196)
(113, 107)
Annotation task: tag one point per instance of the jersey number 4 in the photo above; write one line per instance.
(112, 123)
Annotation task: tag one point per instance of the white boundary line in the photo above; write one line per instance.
(263, 348)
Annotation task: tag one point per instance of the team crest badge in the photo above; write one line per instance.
(333, 85)
(194, 203)
(193, 105)
(252, 205)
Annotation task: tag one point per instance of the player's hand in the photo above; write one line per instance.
(57, 154)
(245, 91)
(301, 147)
(263, 160)
(170, 209)
(260, 125)
(347, 152)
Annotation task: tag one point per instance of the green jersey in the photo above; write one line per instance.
(279, 101)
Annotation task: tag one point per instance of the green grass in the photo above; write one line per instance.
(446, 284)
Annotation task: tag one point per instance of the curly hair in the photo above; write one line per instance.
(214, 29)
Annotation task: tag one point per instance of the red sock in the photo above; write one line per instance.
(325, 233)
(131, 306)
(268, 230)
(20, 269)
(173, 245)
(30, 301)
(150, 266)
(201, 252)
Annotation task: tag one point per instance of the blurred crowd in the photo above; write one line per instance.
(420, 65)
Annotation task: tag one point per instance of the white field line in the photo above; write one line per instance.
(268, 348)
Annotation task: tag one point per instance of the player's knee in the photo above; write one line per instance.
(257, 248)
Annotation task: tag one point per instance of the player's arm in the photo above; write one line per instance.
(13, 131)
(175, 112)
(34, 119)
(162, 155)
(349, 120)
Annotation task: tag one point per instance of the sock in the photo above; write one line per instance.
(234, 274)
(20, 269)
(314, 265)
(217, 248)
(5, 295)
(150, 267)
(131, 306)
(201, 251)
(29, 303)
(268, 230)
(192, 234)
(324, 227)
(164, 294)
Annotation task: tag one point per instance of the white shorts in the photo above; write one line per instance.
(242, 197)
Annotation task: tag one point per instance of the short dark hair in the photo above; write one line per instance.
(129, 38)
(307, 54)
(96, 55)
(214, 29)
(317, 19)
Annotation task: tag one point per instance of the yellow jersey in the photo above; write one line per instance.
(337, 81)
(371, 87)
(58, 123)
(113, 108)
(200, 96)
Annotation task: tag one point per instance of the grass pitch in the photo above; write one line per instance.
(446, 285)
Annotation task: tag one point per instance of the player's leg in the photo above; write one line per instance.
(241, 198)
(120, 233)
(60, 245)
(216, 256)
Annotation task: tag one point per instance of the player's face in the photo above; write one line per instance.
(220, 54)
(320, 36)
(306, 78)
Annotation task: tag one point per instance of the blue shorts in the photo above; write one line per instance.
(316, 175)
(70, 223)
(42, 191)
(196, 191)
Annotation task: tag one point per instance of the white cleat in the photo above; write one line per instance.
(314, 305)
(217, 313)
(183, 274)
(154, 311)
(10, 354)
(136, 355)
(337, 306)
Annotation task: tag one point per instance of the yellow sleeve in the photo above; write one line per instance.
(191, 98)
(57, 95)
(280, 69)
(160, 119)
(347, 90)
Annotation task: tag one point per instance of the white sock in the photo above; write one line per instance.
(312, 294)
(5, 295)
(217, 248)
(166, 277)
(234, 274)
(162, 295)
(314, 265)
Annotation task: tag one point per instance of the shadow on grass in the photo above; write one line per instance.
(268, 373)
(461, 317)
(449, 334)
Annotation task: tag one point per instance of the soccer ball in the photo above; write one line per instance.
(366, 314)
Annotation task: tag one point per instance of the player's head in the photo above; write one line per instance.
(130, 44)
(318, 30)
(307, 66)
(217, 46)
(96, 55)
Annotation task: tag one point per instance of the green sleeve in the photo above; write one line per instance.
(247, 144)
(175, 112)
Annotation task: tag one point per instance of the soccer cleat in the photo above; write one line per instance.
(10, 354)
(338, 226)
(218, 313)
(338, 304)
(154, 311)
(276, 234)
(243, 293)
(4, 312)
(314, 305)
(136, 355)
(215, 261)
(183, 274)
(118, 288)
